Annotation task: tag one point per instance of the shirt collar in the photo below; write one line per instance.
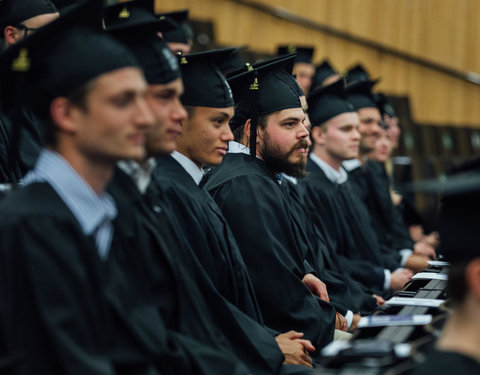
(237, 148)
(337, 177)
(351, 164)
(89, 208)
(141, 174)
(293, 180)
(192, 169)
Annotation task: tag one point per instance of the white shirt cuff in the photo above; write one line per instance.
(388, 277)
(349, 317)
(405, 253)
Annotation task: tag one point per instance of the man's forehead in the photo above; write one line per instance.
(369, 113)
(346, 118)
(290, 113)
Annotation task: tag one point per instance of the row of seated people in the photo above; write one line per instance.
(119, 256)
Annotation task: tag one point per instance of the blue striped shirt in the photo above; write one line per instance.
(94, 212)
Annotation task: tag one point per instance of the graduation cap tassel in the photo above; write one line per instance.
(254, 118)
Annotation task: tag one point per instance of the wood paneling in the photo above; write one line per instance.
(444, 31)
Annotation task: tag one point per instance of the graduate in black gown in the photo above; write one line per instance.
(62, 301)
(345, 293)
(333, 206)
(371, 184)
(203, 142)
(160, 232)
(21, 133)
(247, 191)
(457, 350)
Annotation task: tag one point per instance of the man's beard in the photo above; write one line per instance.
(278, 161)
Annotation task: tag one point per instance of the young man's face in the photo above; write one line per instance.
(382, 149)
(113, 125)
(164, 102)
(394, 130)
(205, 135)
(340, 137)
(304, 73)
(284, 143)
(370, 120)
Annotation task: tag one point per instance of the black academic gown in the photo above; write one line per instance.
(63, 308)
(446, 363)
(373, 187)
(346, 225)
(208, 234)
(344, 292)
(251, 200)
(185, 295)
(24, 150)
(54, 314)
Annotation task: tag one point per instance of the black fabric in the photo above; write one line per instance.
(327, 102)
(181, 33)
(445, 363)
(200, 311)
(159, 64)
(342, 289)
(24, 153)
(346, 225)
(14, 12)
(205, 86)
(322, 72)
(359, 93)
(54, 314)
(303, 54)
(265, 79)
(132, 16)
(256, 209)
(208, 233)
(64, 311)
(357, 73)
(373, 187)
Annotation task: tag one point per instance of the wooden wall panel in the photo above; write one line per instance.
(443, 31)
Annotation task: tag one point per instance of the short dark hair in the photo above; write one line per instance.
(190, 110)
(78, 97)
(238, 132)
(457, 288)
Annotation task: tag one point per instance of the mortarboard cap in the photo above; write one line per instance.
(358, 73)
(327, 102)
(459, 215)
(181, 33)
(15, 12)
(322, 72)
(131, 15)
(234, 62)
(383, 105)
(304, 54)
(266, 88)
(359, 93)
(277, 88)
(73, 40)
(159, 64)
(20, 63)
(204, 84)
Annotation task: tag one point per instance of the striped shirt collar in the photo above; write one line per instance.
(89, 208)
(141, 174)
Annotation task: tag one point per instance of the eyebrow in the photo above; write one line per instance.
(291, 119)
(221, 114)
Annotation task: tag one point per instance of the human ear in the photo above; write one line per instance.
(472, 277)
(64, 114)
